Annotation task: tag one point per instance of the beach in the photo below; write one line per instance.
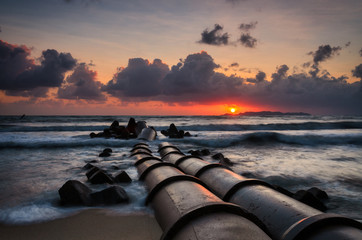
(88, 224)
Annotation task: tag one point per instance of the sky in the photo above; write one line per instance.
(190, 57)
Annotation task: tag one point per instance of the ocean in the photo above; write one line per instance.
(40, 153)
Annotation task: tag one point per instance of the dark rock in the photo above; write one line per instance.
(122, 177)
(108, 196)
(104, 154)
(88, 166)
(205, 152)
(92, 171)
(92, 135)
(107, 150)
(165, 133)
(114, 124)
(318, 193)
(100, 177)
(226, 161)
(309, 199)
(195, 153)
(187, 134)
(74, 192)
(218, 156)
(115, 167)
(131, 126)
(173, 129)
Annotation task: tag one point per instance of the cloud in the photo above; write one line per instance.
(140, 79)
(82, 84)
(324, 52)
(247, 26)
(196, 81)
(357, 72)
(215, 36)
(21, 76)
(247, 40)
(235, 64)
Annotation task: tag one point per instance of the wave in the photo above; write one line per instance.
(68, 143)
(16, 128)
(198, 127)
(268, 138)
(277, 126)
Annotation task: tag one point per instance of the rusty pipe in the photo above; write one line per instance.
(285, 217)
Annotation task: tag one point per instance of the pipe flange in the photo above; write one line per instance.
(171, 180)
(309, 224)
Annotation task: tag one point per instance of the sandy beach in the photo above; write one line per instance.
(88, 224)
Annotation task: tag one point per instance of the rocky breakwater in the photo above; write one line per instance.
(134, 129)
(75, 192)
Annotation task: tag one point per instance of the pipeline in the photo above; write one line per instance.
(185, 209)
(284, 217)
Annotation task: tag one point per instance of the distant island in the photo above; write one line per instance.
(269, 113)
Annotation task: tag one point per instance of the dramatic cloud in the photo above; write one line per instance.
(247, 40)
(215, 36)
(138, 80)
(324, 52)
(247, 26)
(357, 72)
(195, 80)
(19, 75)
(82, 84)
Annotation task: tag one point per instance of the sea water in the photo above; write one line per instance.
(38, 154)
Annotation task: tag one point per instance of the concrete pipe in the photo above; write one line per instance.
(185, 209)
(284, 217)
(148, 134)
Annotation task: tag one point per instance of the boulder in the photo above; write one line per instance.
(74, 192)
(108, 196)
(226, 161)
(92, 171)
(92, 135)
(114, 125)
(88, 166)
(309, 199)
(218, 156)
(100, 177)
(318, 193)
(104, 154)
(205, 152)
(122, 177)
(131, 126)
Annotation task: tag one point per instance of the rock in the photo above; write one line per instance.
(74, 192)
(88, 166)
(318, 193)
(218, 156)
(205, 152)
(108, 196)
(92, 171)
(104, 154)
(100, 177)
(173, 129)
(226, 161)
(107, 150)
(139, 126)
(309, 199)
(115, 167)
(187, 134)
(131, 126)
(195, 153)
(92, 135)
(114, 124)
(122, 177)
(107, 133)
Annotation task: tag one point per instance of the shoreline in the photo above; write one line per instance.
(88, 224)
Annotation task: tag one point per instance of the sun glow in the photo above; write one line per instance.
(232, 110)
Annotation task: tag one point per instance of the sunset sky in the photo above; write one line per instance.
(189, 57)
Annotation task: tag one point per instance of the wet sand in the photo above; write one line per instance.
(88, 224)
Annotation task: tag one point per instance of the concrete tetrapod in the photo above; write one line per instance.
(185, 209)
(284, 217)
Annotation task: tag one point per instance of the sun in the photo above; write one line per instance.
(232, 110)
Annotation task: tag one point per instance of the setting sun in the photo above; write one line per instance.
(232, 110)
